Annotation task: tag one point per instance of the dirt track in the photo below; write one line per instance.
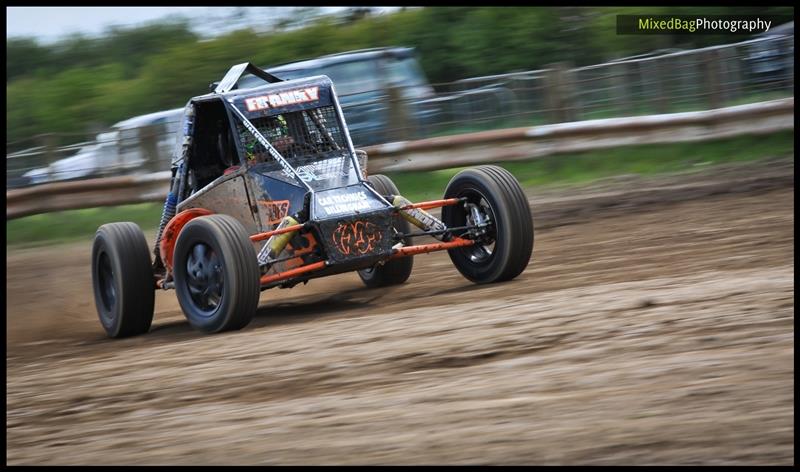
(654, 325)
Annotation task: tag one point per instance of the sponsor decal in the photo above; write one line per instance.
(282, 99)
(275, 210)
(344, 203)
(323, 170)
(356, 238)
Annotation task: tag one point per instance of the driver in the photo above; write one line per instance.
(276, 131)
(279, 135)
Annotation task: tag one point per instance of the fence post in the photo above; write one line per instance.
(148, 144)
(786, 45)
(711, 62)
(568, 93)
(558, 79)
(733, 73)
(621, 87)
(48, 141)
(660, 77)
(399, 123)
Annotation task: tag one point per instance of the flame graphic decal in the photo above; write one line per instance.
(356, 238)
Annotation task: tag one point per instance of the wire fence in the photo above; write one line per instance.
(712, 77)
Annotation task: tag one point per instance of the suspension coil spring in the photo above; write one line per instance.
(170, 206)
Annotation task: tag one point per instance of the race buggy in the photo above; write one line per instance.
(268, 191)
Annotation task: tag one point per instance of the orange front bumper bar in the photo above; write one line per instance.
(401, 252)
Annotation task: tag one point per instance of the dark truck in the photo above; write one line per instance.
(369, 82)
(268, 191)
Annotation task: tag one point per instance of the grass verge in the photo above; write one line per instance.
(584, 167)
(70, 225)
(560, 169)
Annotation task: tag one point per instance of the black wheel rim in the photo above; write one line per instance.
(483, 250)
(204, 277)
(106, 283)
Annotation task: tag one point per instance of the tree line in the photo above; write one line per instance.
(81, 85)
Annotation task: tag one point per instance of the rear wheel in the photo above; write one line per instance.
(122, 278)
(504, 247)
(395, 271)
(216, 274)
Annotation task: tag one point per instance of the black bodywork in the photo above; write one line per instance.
(278, 150)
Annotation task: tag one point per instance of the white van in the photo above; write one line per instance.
(116, 151)
(163, 125)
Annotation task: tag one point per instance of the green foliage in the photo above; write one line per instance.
(83, 83)
(23, 56)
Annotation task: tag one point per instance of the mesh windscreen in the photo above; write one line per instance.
(312, 141)
(301, 137)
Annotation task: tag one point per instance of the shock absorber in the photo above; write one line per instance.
(170, 207)
(169, 211)
(420, 218)
(276, 243)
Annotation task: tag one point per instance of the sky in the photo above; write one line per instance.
(48, 24)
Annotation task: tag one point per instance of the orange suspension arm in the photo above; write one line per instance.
(293, 272)
(423, 248)
(432, 204)
(263, 236)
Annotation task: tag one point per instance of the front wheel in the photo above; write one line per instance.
(495, 199)
(216, 274)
